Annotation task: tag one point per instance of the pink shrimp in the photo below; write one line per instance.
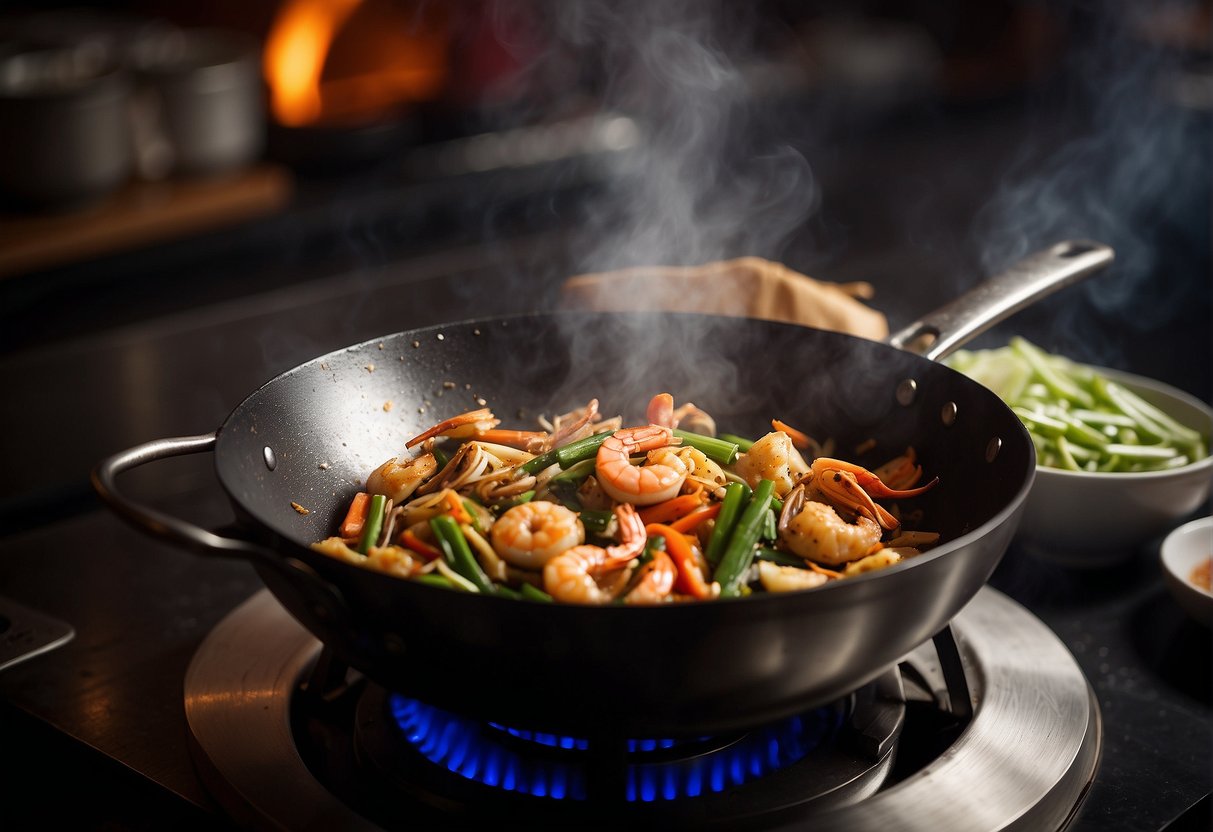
(656, 581)
(572, 575)
(659, 478)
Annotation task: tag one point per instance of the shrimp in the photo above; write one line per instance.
(572, 575)
(850, 488)
(659, 478)
(775, 458)
(818, 533)
(398, 479)
(531, 534)
(877, 560)
(776, 578)
(661, 411)
(656, 581)
(459, 427)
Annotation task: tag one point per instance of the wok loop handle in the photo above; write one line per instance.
(157, 523)
(940, 333)
(321, 600)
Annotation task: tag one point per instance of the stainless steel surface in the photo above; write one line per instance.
(237, 702)
(938, 334)
(25, 633)
(1024, 762)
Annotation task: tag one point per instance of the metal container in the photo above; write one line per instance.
(64, 126)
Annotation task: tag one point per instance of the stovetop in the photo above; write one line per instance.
(105, 714)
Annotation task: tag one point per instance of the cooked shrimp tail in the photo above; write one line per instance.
(462, 426)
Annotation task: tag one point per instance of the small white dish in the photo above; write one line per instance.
(1183, 550)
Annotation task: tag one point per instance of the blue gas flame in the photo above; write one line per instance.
(482, 753)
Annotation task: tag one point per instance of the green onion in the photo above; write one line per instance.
(431, 579)
(457, 553)
(580, 450)
(739, 552)
(781, 558)
(718, 450)
(741, 442)
(507, 592)
(566, 455)
(596, 522)
(574, 474)
(524, 497)
(1078, 419)
(1058, 384)
(374, 523)
(533, 593)
(730, 508)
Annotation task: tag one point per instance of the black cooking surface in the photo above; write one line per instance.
(105, 714)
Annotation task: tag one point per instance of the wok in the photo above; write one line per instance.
(311, 435)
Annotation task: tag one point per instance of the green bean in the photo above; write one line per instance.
(457, 553)
(596, 522)
(781, 558)
(575, 452)
(717, 449)
(739, 553)
(730, 508)
(533, 593)
(574, 474)
(432, 579)
(374, 523)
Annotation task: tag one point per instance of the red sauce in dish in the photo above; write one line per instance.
(1201, 575)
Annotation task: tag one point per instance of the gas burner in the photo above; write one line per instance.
(991, 727)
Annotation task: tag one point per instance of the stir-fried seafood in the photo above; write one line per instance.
(588, 511)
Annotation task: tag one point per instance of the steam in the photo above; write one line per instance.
(710, 179)
(1135, 179)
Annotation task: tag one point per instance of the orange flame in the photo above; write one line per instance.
(393, 60)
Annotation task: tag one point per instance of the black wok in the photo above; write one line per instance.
(311, 435)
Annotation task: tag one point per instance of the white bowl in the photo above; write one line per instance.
(1182, 551)
(1098, 519)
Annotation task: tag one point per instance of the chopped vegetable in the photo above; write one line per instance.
(457, 554)
(373, 524)
(1080, 420)
(730, 508)
(351, 526)
(671, 510)
(739, 552)
(715, 448)
(690, 580)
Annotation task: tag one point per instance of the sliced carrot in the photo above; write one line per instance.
(690, 580)
(799, 438)
(821, 570)
(351, 526)
(672, 509)
(411, 541)
(457, 509)
(689, 522)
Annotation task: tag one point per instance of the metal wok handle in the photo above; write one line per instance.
(321, 600)
(157, 523)
(938, 334)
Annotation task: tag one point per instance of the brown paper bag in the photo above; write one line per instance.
(746, 287)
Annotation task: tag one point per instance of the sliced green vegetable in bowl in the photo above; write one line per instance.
(1120, 458)
(1080, 418)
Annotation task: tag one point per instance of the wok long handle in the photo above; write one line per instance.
(939, 334)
